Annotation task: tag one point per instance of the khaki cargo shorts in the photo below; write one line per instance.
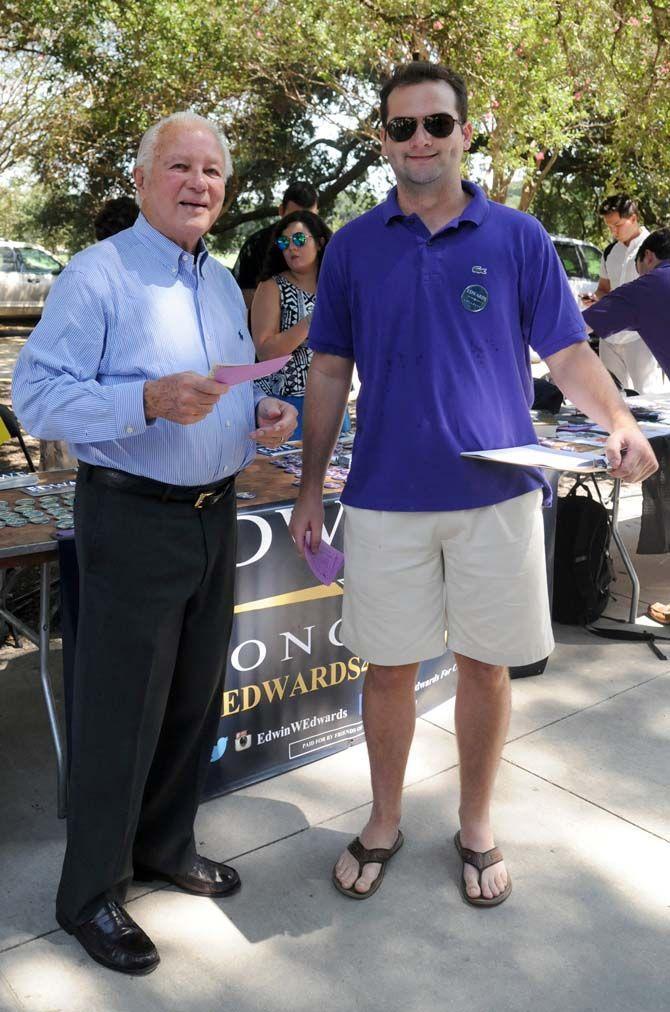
(479, 573)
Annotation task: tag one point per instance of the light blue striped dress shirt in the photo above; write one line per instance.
(136, 307)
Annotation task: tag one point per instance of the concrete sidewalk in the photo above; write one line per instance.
(581, 812)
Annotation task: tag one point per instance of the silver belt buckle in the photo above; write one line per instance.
(202, 499)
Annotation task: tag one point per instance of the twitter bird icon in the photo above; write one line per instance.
(218, 750)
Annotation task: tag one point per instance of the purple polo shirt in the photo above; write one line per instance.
(642, 305)
(440, 328)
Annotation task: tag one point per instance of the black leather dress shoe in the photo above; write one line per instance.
(113, 939)
(204, 878)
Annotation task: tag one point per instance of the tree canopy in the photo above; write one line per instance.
(569, 100)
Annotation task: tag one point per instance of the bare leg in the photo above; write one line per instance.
(482, 718)
(389, 714)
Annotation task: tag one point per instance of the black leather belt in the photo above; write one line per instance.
(199, 496)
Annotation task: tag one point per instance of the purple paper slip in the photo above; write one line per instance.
(231, 375)
(65, 535)
(326, 563)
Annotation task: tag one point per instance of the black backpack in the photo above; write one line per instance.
(582, 564)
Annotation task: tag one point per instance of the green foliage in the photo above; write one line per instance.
(295, 85)
(350, 204)
(583, 175)
(29, 212)
(17, 203)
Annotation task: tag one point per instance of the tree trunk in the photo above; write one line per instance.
(54, 456)
(533, 183)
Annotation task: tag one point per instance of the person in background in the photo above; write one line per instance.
(624, 353)
(249, 264)
(115, 215)
(642, 306)
(119, 366)
(284, 301)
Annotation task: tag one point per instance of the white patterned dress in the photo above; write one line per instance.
(294, 304)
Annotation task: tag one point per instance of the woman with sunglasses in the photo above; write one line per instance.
(284, 302)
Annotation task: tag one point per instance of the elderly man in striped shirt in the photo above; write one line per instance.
(118, 366)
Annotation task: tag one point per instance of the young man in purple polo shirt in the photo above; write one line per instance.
(436, 295)
(641, 305)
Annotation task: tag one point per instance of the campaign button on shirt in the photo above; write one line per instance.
(474, 298)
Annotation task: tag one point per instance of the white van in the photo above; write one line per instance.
(581, 261)
(27, 273)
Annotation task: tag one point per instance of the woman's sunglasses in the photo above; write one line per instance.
(440, 124)
(298, 239)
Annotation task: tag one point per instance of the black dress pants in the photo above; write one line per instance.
(156, 608)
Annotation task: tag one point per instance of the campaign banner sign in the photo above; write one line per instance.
(293, 689)
(292, 692)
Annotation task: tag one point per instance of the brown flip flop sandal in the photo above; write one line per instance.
(379, 855)
(659, 612)
(480, 860)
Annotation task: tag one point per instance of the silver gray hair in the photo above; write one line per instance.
(147, 148)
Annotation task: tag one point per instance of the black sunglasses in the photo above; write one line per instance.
(440, 124)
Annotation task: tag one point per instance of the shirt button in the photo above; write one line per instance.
(129, 429)
(184, 257)
(228, 423)
(225, 467)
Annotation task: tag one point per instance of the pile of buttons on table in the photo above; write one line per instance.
(46, 509)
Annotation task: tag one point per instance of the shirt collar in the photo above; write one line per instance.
(167, 251)
(475, 212)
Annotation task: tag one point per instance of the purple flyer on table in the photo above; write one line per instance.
(231, 375)
(325, 563)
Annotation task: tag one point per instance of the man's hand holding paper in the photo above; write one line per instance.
(629, 455)
(183, 397)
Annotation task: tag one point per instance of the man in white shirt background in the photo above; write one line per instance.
(625, 354)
